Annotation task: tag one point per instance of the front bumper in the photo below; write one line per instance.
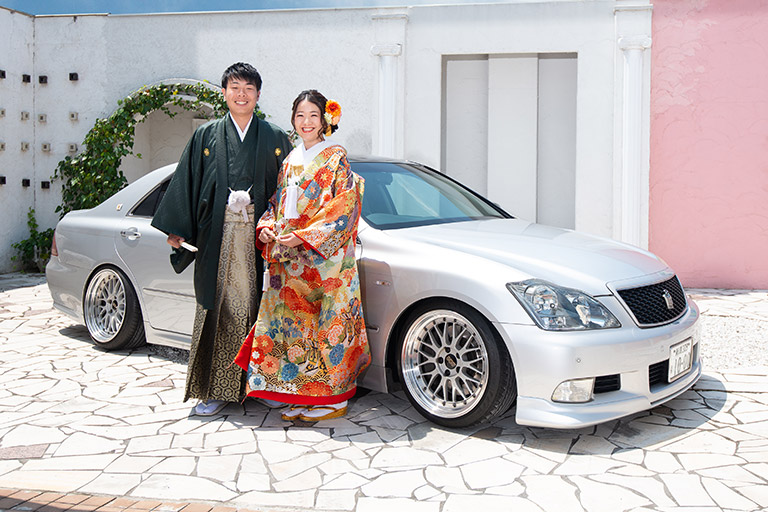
(544, 359)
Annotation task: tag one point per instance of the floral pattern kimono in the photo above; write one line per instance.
(309, 344)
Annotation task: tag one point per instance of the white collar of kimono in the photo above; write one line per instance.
(240, 132)
(301, 156)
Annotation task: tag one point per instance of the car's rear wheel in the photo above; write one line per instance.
(112, 312)
(453, 366)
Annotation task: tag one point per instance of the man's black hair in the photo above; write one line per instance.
(241, 71)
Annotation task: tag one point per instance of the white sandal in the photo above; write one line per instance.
(294, 412)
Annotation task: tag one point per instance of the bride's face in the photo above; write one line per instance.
(308, 123)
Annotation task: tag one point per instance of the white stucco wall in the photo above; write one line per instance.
(381, 64)
(15, 97)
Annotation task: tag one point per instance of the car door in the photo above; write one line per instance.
(168, 298)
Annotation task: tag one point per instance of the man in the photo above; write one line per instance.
(232, 160)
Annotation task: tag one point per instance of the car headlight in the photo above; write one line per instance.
(555, 308)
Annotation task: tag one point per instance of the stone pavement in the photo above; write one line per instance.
(83, 429)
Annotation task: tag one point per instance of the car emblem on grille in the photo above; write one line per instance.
(668, 299)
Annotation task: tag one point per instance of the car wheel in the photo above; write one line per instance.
(453, 366)
(111, 310)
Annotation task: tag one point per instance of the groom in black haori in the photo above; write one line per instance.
(224, 178)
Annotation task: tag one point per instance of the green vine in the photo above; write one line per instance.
(35, 251)
(94, 175)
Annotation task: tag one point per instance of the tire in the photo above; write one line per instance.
(452, 391)
(112, 312)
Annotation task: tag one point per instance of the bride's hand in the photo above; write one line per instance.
(290, 240)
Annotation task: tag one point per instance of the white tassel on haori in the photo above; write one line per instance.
(238, 201)
(292, 199)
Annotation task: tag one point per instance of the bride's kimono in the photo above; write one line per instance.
(309, 345)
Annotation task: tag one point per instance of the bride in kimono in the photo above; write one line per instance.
(309, 345)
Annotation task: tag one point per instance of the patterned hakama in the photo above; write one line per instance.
(218, 334)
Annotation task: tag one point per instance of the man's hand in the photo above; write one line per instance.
(174, 241)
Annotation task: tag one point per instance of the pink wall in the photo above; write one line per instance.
(709, 141)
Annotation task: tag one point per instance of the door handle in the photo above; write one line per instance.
(130, 234)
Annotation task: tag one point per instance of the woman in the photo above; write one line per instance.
(309, 345)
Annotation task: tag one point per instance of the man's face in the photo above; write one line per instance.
(241, 97)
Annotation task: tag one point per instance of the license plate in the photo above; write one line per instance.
(680, 356)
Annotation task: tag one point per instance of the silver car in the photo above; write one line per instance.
(467, 309)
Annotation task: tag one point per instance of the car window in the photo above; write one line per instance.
(403, 195)
(148, 205)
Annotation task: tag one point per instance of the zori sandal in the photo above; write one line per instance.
(324, 412)
(293, 412)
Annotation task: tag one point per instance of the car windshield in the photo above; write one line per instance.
(400, 195)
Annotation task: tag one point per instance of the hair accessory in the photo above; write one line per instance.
(332, 115)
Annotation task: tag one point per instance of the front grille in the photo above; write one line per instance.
(607, 383)
(649, 305)
(658, 374)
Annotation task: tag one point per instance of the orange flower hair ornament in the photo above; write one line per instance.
(332, 115)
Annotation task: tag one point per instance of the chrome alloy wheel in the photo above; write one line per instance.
(104, 307)
(445, 363)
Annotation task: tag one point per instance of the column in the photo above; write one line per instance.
(387, 113)
(634, 164)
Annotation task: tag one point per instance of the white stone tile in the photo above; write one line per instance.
(56, 481)
(397, 484)
(331, 445)
(592, 445)
(335, 467)
(725, 497)
(86, 444)
(128, 464)
(247, 482)
(350, 453)
(491, 473)
(554, 448)
(253, 463)
(473, 450)
(393, 422)
(514, 489)
(274, 452)
(120, 433)
(599, 497)
(315, 435)
(219, 439)
(404, 457)
(487, 503)
(633, 456)
(659, 462)
(336, 500)
(297, 500)
(756, 493)
(732, 474)
(271, 434)
(427, 436)
(222, 468)
(696, 461)
(188, 441)
(149, 443)
(425, 492)
(73, 462)
(112, 483)
(292, 467)
(346, 481)
(24, 435)
(310, 479)
(175, 466)
(650, 487)
(532, 461)
(171, 487)
(6, 466)
(687, 490)
(368, 504)
(551, 493)
(449, 480)
(587, 465)
(759, 469)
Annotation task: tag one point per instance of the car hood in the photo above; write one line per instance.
(561, 256)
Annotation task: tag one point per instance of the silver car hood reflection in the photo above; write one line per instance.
(561, 256)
